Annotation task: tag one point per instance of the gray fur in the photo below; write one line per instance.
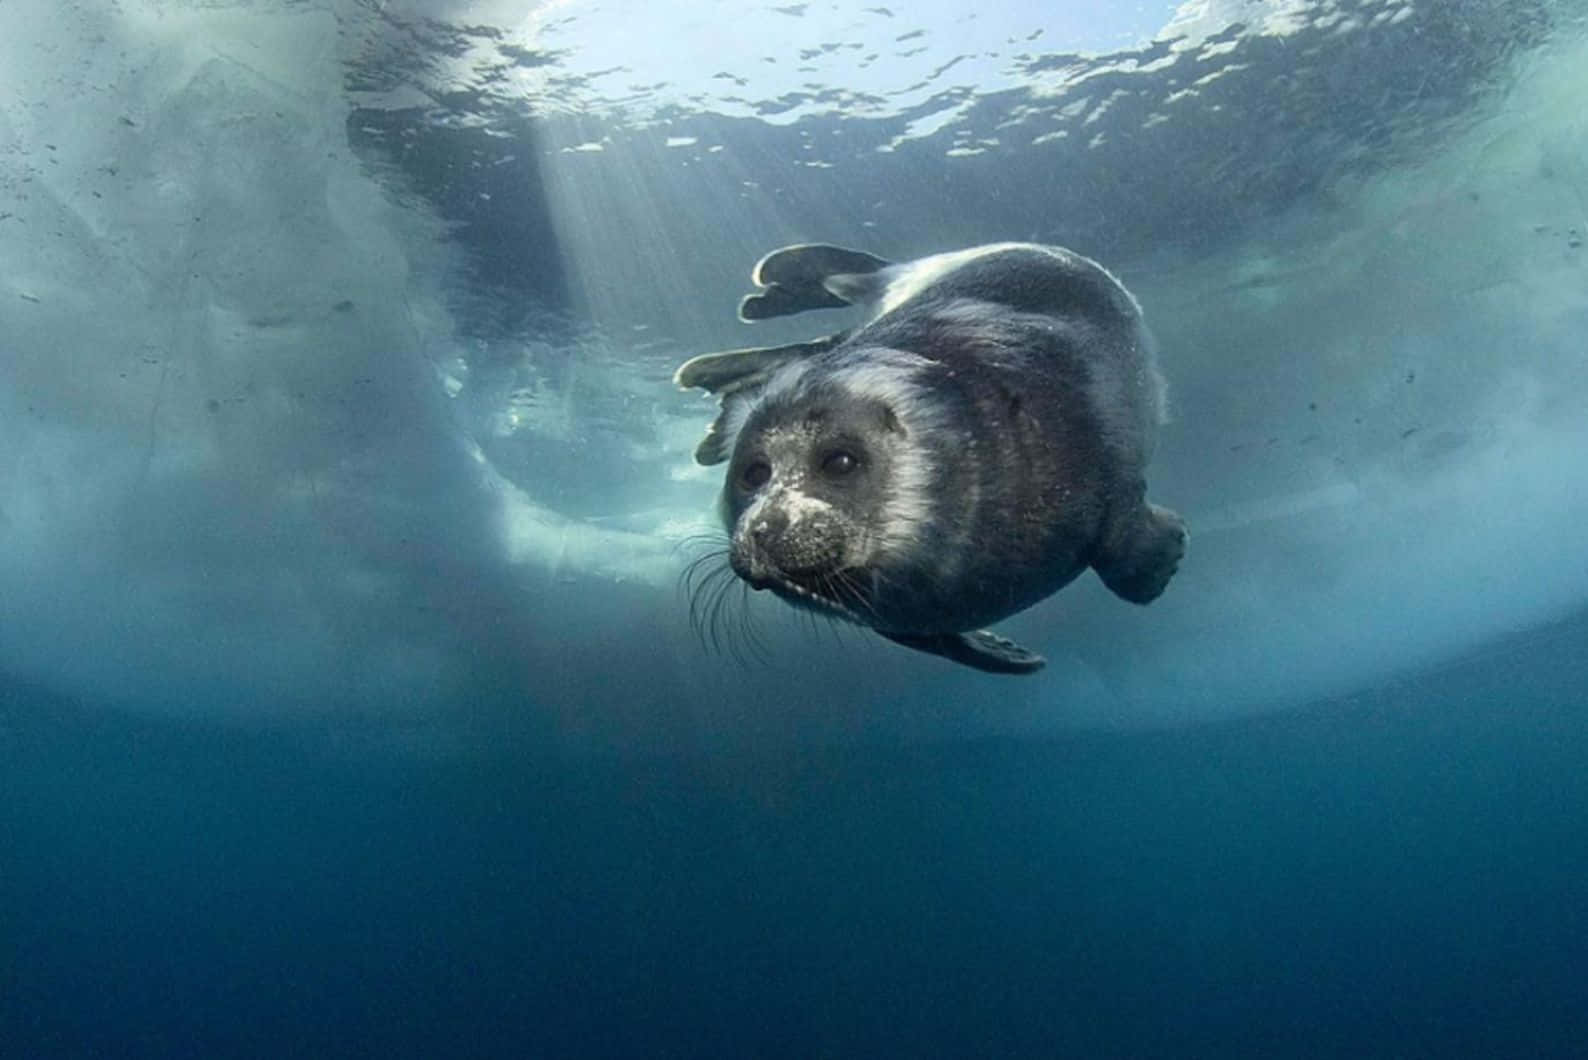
(973, 447)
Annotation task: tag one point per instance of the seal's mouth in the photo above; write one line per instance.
(836, 591)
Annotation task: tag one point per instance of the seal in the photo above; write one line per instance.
(970, 449)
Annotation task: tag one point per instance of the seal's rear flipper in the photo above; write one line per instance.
(1138, 562)
(811, 276)
(980, 650)
(733, 372)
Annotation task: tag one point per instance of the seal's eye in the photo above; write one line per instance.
(839, 463)
(754, 475)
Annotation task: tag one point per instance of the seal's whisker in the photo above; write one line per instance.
(720, 635)
(811, 618)
(831, 621)
(848, 592)
(703, 589)
(712, 562)
(747, 627)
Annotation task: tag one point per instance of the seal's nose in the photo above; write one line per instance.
(768, 527)
(767, 534)
(773, 544)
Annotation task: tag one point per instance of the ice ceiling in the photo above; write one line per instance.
(335, 341)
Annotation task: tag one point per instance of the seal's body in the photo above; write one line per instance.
(973, 447)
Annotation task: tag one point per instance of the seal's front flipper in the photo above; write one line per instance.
(980, 650)
(805, 264)
(730, 374)
(734, 370)
(811, 276)
(1138, 560)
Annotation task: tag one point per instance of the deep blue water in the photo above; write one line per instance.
(1400, 874)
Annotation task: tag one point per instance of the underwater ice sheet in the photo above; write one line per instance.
(337, 337)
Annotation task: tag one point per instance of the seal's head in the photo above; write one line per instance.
(830, 478)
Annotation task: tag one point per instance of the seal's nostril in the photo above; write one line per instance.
(768, 528)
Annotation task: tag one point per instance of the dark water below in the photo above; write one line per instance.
(1402, 874)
